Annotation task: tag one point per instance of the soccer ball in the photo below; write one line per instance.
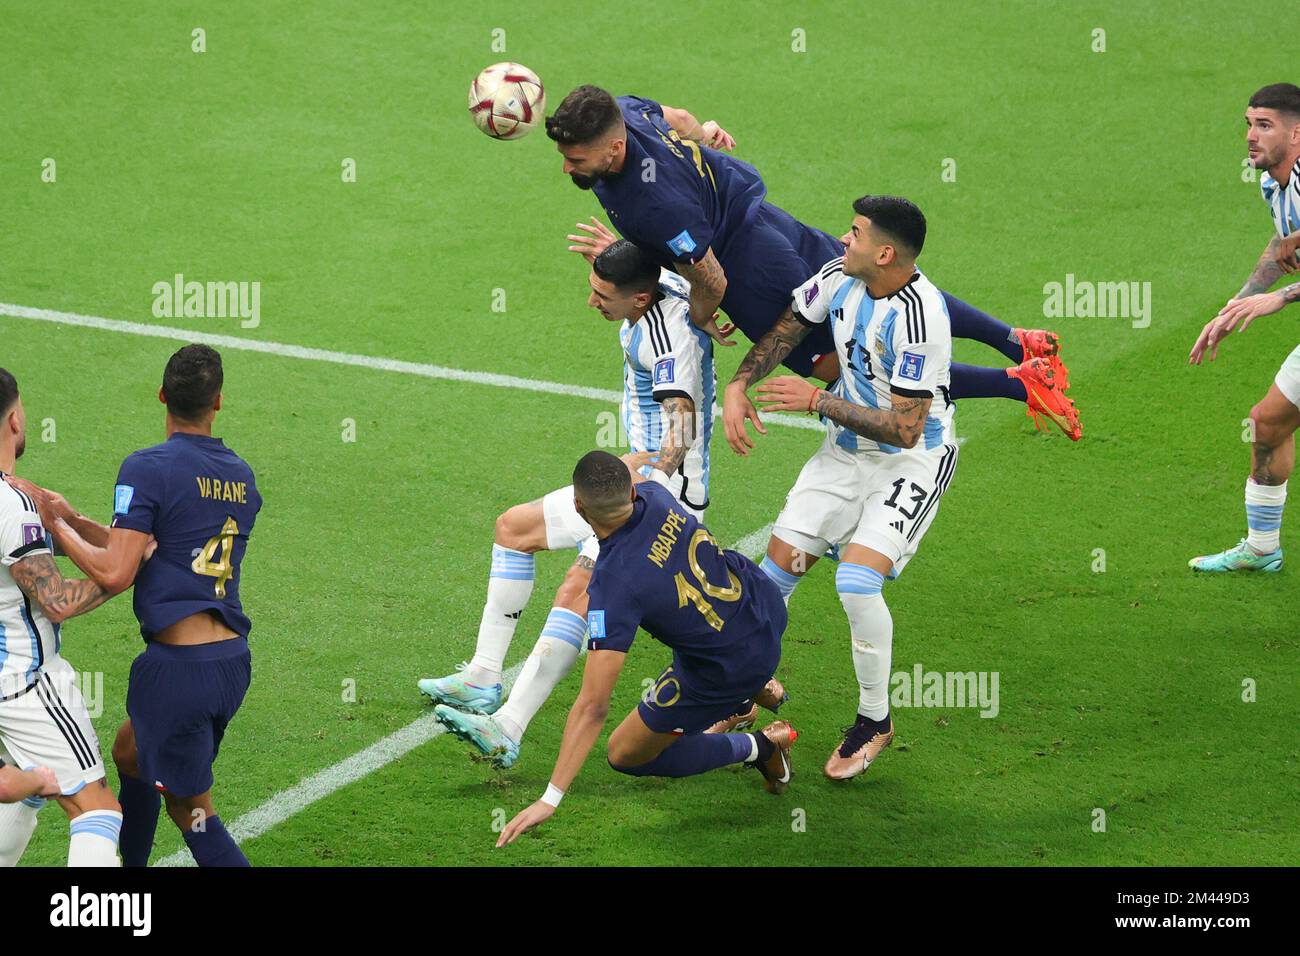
(506, 100)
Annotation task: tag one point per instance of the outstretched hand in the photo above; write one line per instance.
(598, 239)
(1236, 316)
(531, 816)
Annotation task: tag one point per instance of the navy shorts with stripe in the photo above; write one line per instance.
(180, 700)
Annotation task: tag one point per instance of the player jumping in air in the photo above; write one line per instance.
(874, 486)
(44, 722)
(667, 377)
(660, 569)
(199, 500)
(665, 185)
(1273, 145)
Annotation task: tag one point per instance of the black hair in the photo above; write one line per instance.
(897, 217)
(8, 391)
(601, 480)
(627, 266)
(585, 115)
(1283, 97)
(192, 382)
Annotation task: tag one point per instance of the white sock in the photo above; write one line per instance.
(551, 660)
(17, 824)
(510, 585)
(94, 839)
(1264, 505)
(871, 628)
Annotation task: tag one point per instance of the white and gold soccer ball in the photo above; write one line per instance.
(507, 100)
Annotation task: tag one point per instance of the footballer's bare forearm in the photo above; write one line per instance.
(680, 434)
(91, 531)
(581, 731)
(685, 124)
(901, 425)
(1267, 271)
(770, 351)
(708, 286)
(1290, 293)
(59, 597)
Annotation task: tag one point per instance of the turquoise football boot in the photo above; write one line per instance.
(454, 691)
(483, 732)
(1240, 558)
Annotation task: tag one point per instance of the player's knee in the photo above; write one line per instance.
(624, 762)
(508, 527)
(1268, 431)
(124, 753)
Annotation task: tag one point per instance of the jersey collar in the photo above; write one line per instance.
(916, 274)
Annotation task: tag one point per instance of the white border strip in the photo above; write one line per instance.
(349, 358)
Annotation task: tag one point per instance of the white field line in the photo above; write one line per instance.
(287, 803)
(348, 358)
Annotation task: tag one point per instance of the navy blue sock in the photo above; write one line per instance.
(765, 747)
(975, 381)
(140, 805)
(698, 753)
(213, 846)
(968, 322)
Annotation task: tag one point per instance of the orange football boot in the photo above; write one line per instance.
(1040, 343)
(1045, 397)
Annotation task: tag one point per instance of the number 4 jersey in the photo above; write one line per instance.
(199, 500)
(717, 610)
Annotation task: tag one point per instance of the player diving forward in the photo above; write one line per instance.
(1273, 144)
(874, 486)
(199, 500)
(668, 394)
(705, 214)
(44, 722)
(660, 569)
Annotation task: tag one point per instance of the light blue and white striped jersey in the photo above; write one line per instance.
(1284, 201)
(664, 355)
(27, 638)
(900, 343)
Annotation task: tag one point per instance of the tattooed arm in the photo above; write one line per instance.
(771, 350)
(766, 355)
(680, 435)
(901, 425)
(60, 598)
(708, 285)
(1267, 271)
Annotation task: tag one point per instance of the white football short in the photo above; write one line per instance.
(49, 726)
(880, 501)
(566, 529)
(1288, 378)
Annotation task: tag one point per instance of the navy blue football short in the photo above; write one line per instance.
(680, 706)
(180, 700)
(764, 265)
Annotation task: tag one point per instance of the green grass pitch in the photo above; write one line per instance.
(1120, 690)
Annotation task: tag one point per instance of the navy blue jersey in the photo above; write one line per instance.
(663, 571)
(701, 198)
(199, 500)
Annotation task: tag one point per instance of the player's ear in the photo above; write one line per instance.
(162, 396)
(216, 406)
